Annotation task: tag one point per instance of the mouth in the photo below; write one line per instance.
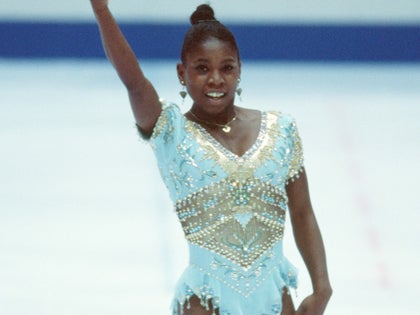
(215, 95)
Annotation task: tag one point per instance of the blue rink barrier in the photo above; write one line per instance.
(285, 42)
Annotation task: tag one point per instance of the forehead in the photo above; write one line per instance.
(212, 48)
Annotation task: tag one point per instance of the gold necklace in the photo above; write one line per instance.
(225, 127)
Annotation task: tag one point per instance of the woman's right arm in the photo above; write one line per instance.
(143, 97)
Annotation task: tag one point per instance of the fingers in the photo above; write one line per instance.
(288, 307)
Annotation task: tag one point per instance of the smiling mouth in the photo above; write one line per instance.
(215, 95)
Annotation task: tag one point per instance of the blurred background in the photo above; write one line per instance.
(86, 226)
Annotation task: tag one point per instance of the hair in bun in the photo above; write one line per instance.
(205, 26)
(203, 13)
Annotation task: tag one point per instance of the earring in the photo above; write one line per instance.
(239, 90)
(183, 93)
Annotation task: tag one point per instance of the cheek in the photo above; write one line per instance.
(193, 89)
(195, 84)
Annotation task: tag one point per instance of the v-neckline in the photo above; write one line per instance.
(227, 152)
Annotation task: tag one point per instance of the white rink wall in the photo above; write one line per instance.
(272, 11)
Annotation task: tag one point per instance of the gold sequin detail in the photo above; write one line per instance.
(162, 122)
(296, 163)
(239, 220)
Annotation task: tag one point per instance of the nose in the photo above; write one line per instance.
(216, 78)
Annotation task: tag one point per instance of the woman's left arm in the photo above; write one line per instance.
(309, 242)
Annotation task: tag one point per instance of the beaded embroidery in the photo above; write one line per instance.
(236, 219)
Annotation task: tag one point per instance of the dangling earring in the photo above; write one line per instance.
(239, 90)
(183, 93)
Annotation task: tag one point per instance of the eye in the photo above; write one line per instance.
(228, 68)
(202, 68)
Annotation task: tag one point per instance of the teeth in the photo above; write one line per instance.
(215, 94)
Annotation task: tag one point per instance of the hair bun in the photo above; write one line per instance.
(203, 13)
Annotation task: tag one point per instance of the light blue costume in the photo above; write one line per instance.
(232, 210)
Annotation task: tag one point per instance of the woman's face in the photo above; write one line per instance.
(211, 73)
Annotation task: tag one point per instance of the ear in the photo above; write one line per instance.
(181, 71)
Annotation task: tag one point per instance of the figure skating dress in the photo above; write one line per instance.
(232, 210)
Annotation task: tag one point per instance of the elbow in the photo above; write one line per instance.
(326, 294)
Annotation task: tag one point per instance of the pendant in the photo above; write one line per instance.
(226, 129)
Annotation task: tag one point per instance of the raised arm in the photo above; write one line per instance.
(309, 242)
(143, 97)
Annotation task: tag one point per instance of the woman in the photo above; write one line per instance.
(232, 173)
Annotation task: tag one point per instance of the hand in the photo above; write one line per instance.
(314, 304)
(98, 5)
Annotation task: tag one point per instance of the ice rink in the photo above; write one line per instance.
(86, 226)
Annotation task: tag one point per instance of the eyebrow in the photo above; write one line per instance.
(230, 59)
(201, 60)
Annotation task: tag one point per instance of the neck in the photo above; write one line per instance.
(221, 118)
(225, 126)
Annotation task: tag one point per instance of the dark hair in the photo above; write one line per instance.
(205, 26)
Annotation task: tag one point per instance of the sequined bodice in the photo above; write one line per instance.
(236, 219)
(230, 205)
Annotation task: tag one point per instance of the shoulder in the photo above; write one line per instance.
(248, 113)
(284, 120)
(169, 107)
(170, 113)
(170, 119)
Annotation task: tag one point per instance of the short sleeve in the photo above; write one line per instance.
(296, 160)
(167, 131)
